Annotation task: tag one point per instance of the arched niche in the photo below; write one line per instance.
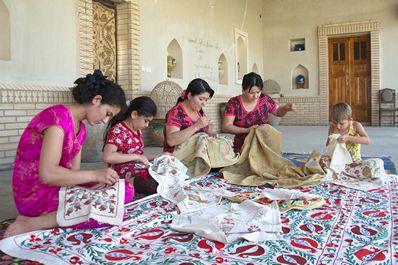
(255, 68)
(241, 52)
(222, 70)
(300, 70)
(174, 60)
(5, 46)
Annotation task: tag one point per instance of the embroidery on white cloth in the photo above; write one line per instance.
(101, 202)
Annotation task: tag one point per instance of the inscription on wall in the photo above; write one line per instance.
(204, 66)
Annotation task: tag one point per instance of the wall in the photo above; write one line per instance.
(42, 65)
(49, 53)
(43, 43)
(204, 29)
(295, 19)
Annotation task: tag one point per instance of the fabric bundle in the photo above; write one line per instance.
(260, 163)
(201, 152)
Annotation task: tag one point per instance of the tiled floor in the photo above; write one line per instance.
(296, 139)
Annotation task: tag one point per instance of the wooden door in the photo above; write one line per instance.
(349, 75)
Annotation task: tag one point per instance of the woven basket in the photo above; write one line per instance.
(165, 95)
(271, 87)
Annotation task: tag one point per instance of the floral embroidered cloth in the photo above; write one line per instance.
(338, 154)
(102, 203)
(170, 173)
(353, 227)
(363, 175)
(261, 163)
(201, 152)
(227, 223)
(285, 199)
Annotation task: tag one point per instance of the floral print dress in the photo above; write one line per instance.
(178, 117)
(246, 119)
(32, 196)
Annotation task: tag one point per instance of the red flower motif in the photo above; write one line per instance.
(123, 241)
(169, 250)
(75, 260)
(124, 229)
(36, 246)
(55, 231)
(55, 250)
(33, 238)
(146, 246)
(195, 255)
(220, 260)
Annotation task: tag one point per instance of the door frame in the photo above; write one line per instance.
(371, 27)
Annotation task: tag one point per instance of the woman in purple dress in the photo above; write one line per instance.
(49, 154)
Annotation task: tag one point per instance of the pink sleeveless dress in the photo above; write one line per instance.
(32, 196)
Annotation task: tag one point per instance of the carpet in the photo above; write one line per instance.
(295, 158)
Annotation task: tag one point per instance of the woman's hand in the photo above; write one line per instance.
(106, 175)
(281, 111)
(202, 122)
(290, 107)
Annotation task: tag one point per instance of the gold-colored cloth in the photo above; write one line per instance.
(260, 163)
(201, 152)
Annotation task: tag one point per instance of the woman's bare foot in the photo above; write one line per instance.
(24, 224)
(17, 227)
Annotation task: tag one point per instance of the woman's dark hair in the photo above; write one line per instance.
(144, 106)
(97, 84)
(197, 87)
(250, 80)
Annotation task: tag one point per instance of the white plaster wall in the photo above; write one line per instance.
(294, 19)
(44, 43)
(204, 30)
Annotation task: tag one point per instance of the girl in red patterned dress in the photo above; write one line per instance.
(250, 109)
(187, 117)
(124, 144)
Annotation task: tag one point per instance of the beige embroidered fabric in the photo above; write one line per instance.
(338, 154)
(260, 163)
(286, 199)
(202, 152)
(102, 203)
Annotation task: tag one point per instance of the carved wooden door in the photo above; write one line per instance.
(349, 75)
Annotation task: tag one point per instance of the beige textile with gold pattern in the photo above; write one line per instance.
(260, 163)
(202, 152)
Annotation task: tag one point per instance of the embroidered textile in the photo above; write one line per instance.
(101, 202)
(201, 152)
(260, 163)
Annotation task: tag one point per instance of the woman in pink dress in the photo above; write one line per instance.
(250, 109)
(187, 117)
(49, 153)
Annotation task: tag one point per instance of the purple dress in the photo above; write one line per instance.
(32, 196)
